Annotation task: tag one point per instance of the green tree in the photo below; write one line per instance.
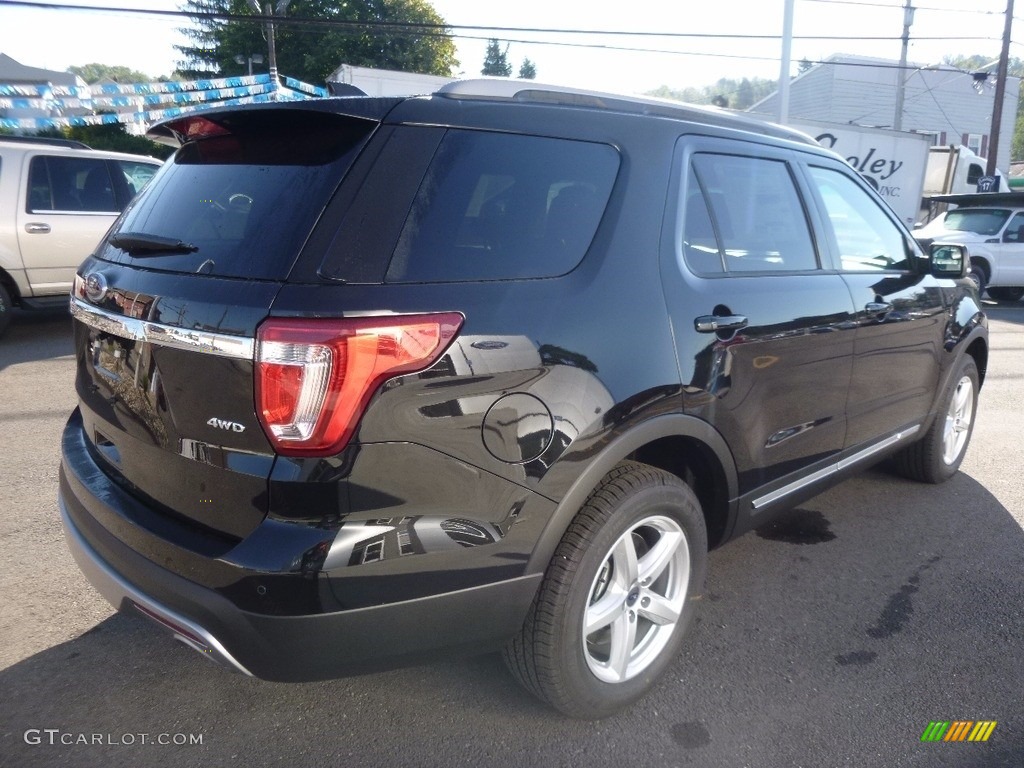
(311, 52)
(739, 94)
(93, 73)
(496, 60)
(527, 70)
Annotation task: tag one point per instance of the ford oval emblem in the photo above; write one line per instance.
(96, 287)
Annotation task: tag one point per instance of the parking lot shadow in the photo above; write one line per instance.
(36, 336)
(833, 636)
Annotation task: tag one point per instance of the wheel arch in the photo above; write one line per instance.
(10, 286)
(978, 349)
(682, 445)
(985, 261)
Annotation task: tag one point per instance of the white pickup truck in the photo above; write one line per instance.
(57, 199)
(991, 225)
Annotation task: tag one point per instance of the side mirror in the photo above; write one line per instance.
(949, 261)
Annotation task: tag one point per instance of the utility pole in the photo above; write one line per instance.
(997, 108)
(268, 11)
(787, 47)
(901, 81)
(271, 50)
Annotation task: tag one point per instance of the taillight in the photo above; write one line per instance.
(314, 377)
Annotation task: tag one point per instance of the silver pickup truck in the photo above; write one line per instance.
(57, 198)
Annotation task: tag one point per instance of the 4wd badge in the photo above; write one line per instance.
(232, 426)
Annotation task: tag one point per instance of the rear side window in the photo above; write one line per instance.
(70, 185)
(247, 194)
(501, 206)
(743, 214)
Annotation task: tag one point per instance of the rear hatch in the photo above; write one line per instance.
(168, 308)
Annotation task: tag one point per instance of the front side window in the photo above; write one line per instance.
(136, 174)
(743, 214)
(496, 206)
(868, 240)
(1015, 229)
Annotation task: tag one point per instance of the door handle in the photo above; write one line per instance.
(37, 228)
(877, 307)
(713, 323)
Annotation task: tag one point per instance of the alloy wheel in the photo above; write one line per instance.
(636, 599)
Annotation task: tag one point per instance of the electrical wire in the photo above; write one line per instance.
(861, 3)
(441, 31)
(422, 27)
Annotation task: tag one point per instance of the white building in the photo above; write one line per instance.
(942, 103)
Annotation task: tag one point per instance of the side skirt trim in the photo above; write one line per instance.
(839, 466)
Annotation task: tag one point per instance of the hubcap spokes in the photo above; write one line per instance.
(636, 599)
(958, 421)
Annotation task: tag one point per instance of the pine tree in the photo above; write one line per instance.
(496, 60)
(527, 70)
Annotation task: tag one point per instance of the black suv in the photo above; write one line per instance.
(367, 380)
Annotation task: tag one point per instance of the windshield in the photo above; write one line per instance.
(245, 198)
(981, 221)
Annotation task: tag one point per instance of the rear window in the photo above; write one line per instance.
(502, 206)
(248, 194)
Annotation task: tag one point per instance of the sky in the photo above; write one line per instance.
(58, 38)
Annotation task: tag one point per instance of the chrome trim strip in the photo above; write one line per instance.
(891, 440)
(60, 212)
(223, 345)
(785, 490)
(831, 469)
(116, 590)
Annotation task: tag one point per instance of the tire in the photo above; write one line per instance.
(978, 275)
(937, 456)
(1006, 293)
(632, 563)
(5, 309)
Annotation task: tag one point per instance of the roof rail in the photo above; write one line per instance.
(52, 141)
(527, 91)
(505, 89)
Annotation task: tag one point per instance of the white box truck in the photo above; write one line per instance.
(893, 162)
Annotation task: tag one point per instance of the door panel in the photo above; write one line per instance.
(765, 337)
(896, 364)
(900, 311)
(1010, 251)
(777, 388)
(65, 208)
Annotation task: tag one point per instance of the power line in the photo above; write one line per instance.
(425, 28)
(861, 3)
(440, 31)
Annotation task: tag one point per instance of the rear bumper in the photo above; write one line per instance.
(318, 642)
(123, 596)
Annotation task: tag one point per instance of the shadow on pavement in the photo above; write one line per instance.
(832, 637)
(36, 335)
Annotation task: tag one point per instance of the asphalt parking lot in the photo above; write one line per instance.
(832, 638)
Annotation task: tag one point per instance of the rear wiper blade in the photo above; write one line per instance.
(141, 244)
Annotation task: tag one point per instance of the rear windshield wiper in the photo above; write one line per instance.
(141, 244)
